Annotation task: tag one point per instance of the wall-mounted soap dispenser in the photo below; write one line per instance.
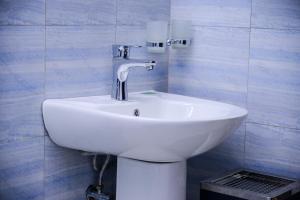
(157, 35)
(181, 34)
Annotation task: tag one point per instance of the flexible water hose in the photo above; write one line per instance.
(95, 162)
(103, 168)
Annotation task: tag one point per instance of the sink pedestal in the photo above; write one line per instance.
(139, 180)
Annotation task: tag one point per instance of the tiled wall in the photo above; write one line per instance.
(53, 49)
(246, 53)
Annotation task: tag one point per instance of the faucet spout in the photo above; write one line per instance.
(123, 70)
(119, 89)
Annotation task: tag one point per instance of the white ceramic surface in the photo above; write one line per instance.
(170, 127)
(138, 180)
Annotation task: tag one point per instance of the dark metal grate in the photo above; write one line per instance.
(253, 185)
(254, 182)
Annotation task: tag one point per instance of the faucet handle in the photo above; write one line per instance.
(123, 51)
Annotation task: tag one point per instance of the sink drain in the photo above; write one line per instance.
(136, 112)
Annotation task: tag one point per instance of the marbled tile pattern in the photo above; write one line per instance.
(232, 13)
(78, 60)
(67, 173)
(68, 56)
(21, 117)
(78, 38)
(126, 34)
(21, 168)
(78, 12)
(279, 155)
(274, 83)
(214, 67)
(16, 12)
(256, 67)
(21, 80)
(276, 14)
(132, 12)
(22, 60)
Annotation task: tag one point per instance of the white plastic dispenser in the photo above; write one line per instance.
(157, 33)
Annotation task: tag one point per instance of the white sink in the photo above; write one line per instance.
(169, 127)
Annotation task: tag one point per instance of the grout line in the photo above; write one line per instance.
(141, 25)
(247, 82)
(20, 137)
(250, 27)
(211, 26)
(244, 154)
(45, 76)
(44, 169)
(29, 25)
(116, 22)
(45, 50)
(249, 50)
(76, 25)
(169, 49)
(42, 25)
(272, 125)
(278, 29)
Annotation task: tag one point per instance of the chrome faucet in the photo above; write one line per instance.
(121, 67)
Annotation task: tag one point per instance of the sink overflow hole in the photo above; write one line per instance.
(136, 112)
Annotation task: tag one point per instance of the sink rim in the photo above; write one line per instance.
(96, 107)
(149, 139)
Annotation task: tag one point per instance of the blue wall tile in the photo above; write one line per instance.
(78, 63)
(78, 12)
(16, 12)
(273, 149)
(132, 12)
(21, 117)
(21, 168)
(274, 84)
(233, 13)
(67, 173)
(276, 14)
(22, 60)
(67, 57)
(257, 68)
(135, 35)
(214, 67)
(78, 60)
(21, 80)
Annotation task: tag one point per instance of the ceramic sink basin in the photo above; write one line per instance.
(151, 126)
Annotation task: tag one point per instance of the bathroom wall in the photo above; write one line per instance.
(246, 53)
(54, 49)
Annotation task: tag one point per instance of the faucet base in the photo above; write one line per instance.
(121, 65)
(119, 92)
